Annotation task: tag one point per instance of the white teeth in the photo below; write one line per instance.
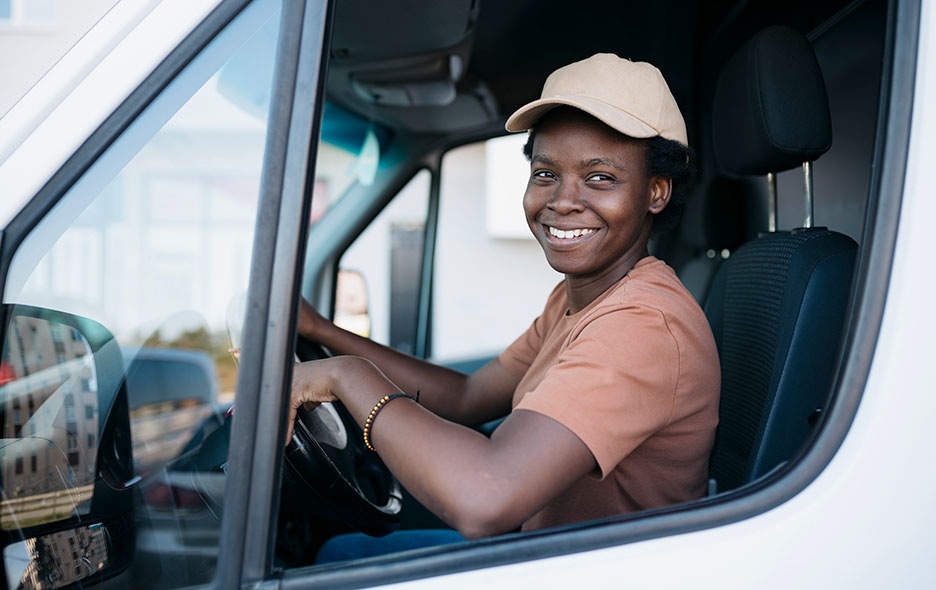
(569, 233)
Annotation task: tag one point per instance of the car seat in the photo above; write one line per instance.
(777, 305)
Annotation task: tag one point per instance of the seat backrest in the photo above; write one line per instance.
(777, 305)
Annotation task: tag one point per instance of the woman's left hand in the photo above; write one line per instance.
(311, 386)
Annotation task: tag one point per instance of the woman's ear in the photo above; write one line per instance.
(661, 189)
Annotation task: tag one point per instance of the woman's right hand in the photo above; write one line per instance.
(311, 385)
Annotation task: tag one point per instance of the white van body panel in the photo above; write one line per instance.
(61, 111)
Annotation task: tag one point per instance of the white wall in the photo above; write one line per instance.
(487, 289)
(370, 252)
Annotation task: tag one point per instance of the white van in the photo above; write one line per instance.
(189, 168)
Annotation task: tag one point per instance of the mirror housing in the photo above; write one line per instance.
(64, 405)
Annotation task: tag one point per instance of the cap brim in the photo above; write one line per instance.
(527, 116)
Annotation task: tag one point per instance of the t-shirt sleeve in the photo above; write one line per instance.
(614, 384)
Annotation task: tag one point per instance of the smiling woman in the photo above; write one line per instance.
(612, 393)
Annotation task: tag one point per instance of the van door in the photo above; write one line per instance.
(170, 237)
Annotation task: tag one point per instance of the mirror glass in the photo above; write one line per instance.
(57, 559)
(49, 404)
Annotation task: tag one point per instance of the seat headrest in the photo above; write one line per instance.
(771, 111)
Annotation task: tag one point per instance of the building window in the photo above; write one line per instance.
(19, 466)
(73, 455)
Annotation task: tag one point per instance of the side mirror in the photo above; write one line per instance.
(351, 311)
(65, 458)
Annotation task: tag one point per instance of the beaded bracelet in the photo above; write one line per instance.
(373, 414)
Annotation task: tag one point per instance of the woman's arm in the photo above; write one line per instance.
(477, 485)
(466, 399)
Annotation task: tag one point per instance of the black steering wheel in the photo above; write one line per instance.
(327, 454)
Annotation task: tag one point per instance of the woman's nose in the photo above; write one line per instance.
(565, 199)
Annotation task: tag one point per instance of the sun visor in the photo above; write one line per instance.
(365, 30)
(427, 83)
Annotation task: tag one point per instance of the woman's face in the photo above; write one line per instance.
(589, 200)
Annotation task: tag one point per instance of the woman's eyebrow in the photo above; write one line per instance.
(602, 162)
(589, 163)
(543, 159)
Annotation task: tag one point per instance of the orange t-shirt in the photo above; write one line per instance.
(635, 376)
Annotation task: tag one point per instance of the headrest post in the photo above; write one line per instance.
(771, 202)
(808, 194)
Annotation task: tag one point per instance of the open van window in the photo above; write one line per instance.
(728, 209)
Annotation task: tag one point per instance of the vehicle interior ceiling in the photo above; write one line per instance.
(443, 74)
(439, 75)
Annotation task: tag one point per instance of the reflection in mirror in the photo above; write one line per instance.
(49, 405)
(56, 560)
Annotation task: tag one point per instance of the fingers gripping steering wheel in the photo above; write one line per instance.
(328, 455)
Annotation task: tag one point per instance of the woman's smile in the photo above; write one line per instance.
(568, 237)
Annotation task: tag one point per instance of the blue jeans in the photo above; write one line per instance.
(359, 545)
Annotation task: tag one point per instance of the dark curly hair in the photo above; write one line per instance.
(665, 159)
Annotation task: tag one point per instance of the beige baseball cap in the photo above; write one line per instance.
(631, 97)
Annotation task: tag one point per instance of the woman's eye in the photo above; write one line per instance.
(600, 178)
(543, 174)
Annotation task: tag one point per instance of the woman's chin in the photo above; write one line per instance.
(563, 265)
